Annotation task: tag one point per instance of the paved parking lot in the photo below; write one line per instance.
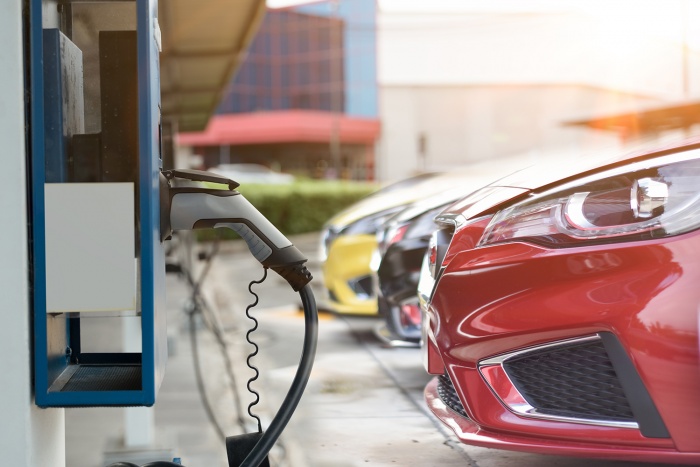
(363, 405)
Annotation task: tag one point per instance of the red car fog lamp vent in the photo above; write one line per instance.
(562, 383)
(448, 395)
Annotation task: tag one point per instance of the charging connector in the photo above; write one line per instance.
(190, 208)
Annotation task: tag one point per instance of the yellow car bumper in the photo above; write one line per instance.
(348, 277)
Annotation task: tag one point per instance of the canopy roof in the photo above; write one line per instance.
(204, 42)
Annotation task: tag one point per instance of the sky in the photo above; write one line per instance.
(670, 19)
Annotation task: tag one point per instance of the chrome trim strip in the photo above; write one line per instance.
(526, 410)
(500, 359)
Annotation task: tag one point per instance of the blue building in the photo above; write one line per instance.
(305, 98)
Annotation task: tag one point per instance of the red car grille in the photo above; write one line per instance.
(576, 380)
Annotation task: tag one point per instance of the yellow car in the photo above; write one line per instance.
(348, 243)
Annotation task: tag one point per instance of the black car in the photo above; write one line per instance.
(402, 244)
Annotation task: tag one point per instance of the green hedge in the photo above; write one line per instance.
(300, 207)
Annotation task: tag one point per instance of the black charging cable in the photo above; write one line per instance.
(253, 452)
(245, 454)
(253, 456)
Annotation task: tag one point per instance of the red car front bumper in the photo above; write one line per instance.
(642, 297)
(469, 432)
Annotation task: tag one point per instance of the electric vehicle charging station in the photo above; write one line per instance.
(95, 191)
(102, 208)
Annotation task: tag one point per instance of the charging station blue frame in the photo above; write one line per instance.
(57, 353)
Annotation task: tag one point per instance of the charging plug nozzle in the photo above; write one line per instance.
(194, 207)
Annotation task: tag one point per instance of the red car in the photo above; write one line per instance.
(561, 313)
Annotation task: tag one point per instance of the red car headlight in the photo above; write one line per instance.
(642, 200)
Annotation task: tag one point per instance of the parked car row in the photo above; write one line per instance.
(350, 240)
(558, 308)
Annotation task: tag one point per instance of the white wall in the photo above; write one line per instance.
(484, 84)
(29, 436)
(463, 124)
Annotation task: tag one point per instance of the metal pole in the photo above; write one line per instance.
(336, 55)
(224, 154)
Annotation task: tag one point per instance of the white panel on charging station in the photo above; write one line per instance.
(90, 264)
